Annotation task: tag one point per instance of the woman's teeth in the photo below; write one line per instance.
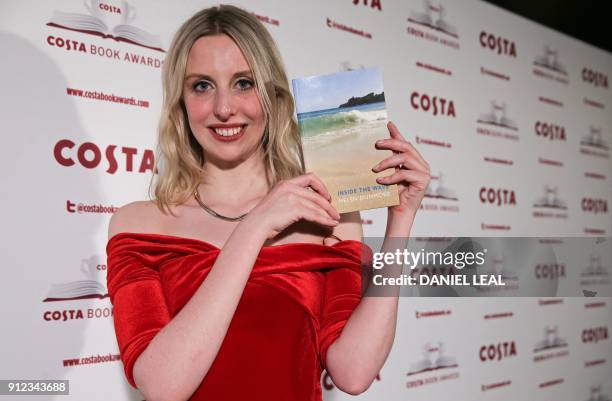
(227, 131)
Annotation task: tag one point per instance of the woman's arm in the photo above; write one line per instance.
(356, 357)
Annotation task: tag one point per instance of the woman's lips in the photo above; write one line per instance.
(227, 138)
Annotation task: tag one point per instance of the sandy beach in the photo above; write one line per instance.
(343, 159)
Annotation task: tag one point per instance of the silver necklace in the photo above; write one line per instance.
(196, 195)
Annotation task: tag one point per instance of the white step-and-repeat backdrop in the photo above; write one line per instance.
(514, 119)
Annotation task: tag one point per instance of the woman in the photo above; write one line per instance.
(232, 283)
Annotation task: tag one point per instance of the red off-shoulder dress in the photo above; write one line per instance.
(295, 304)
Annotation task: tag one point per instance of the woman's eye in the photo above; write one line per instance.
(244, 84)
(200, 86)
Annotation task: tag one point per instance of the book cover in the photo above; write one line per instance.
(341, 116)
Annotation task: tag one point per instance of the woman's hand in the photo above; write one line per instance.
(300, 198)
(411, 172)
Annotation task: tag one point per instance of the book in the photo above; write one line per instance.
(340, 117)
(93, 25)
(82, 289)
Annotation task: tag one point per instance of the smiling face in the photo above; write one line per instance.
(223, 108)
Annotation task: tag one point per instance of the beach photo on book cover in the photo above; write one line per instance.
(341, 116)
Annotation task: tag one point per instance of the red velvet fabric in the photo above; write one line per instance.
(295, 304)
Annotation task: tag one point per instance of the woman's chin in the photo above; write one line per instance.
(228, 158)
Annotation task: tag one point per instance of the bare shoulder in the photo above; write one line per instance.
(349, 227)
(135, 217)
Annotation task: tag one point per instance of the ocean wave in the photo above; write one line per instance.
(311, 126)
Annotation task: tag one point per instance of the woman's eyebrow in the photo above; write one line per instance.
(204, 76)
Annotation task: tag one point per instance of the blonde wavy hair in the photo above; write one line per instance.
(179, 157)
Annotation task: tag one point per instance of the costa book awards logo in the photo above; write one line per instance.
(107, 19)
(431, 24)
(496, 122)
(594, 273)
(550, 346)
(550, 204)
(497, 116)
(593, 143)
(435, 366)
(439, 196)
(89, 287)
(547, 65)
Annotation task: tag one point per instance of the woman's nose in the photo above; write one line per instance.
(223, 105)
